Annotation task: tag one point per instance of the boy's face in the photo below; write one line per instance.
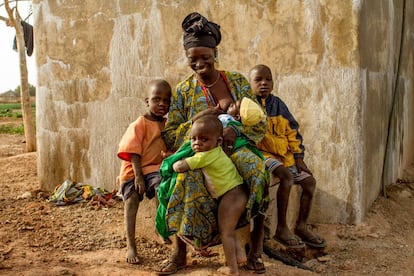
(261, 82)
(158, 100)
(203, 138)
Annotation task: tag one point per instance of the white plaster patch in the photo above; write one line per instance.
(49, 17)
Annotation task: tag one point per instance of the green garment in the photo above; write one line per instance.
(166, 187)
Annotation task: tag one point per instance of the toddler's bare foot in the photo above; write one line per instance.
(225, 270)
(132, 257)
(240, 255)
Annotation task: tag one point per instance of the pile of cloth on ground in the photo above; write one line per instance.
(70, 192)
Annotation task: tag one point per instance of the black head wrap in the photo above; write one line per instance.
(199, 32)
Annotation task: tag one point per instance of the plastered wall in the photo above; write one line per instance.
(334, 64)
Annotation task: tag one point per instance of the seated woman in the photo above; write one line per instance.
(190, 212)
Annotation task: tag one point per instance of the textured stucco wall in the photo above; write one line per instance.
(96, 57)
(386, 50)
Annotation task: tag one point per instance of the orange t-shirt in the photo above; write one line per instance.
(143, 137)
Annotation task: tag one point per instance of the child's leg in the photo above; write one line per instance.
(308, 189)
(231, 207)
(283, 233)
(240, 254)
(130, 216)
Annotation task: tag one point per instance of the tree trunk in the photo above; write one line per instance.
(28, 122)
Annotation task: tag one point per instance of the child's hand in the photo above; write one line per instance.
(180, 166)
(300, 164)
(166, 154)
(140, 187)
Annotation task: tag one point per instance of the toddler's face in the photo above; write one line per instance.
(203, 138)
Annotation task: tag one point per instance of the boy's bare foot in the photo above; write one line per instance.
(225, 270)
(288, 239)
(132, 257)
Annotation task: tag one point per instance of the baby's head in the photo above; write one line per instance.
(234, 110)
(247, 111)
(159, 97)
(206, 133)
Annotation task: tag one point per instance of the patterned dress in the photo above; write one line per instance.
(190, 211)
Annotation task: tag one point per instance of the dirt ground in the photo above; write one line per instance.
(38, 238)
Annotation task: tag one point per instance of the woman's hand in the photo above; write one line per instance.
(229, 137)
(215, 111)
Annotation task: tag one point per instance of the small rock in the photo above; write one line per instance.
(25, 195)
(405, 194)
(347, 265)
(324, 259)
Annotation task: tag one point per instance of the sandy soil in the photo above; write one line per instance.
(38, 238)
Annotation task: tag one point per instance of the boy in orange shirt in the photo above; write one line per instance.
(141, 149)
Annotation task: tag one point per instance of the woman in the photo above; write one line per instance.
(191, 211)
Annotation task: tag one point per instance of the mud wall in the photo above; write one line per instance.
(387, 70)
(95, 58)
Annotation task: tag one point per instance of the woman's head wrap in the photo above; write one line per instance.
(199, 32)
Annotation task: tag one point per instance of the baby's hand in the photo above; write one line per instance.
(228, 141)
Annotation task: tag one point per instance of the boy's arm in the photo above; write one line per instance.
(181, 166)
(295, 140)
(139, 177)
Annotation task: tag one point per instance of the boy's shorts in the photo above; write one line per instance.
(152, 181)
(272, 164)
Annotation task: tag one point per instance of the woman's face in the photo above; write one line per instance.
(201, 60)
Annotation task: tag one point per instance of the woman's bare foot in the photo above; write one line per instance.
(132, 257)
(225, 270)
